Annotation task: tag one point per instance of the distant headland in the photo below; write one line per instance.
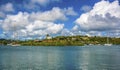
(64, 41)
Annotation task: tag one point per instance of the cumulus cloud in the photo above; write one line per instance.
(37, 4)
(70, 11)
(54, 14)
(13, 21)
(43, 2)
(6, 8)
(2, 15)
(36, 24)
(86, 8)
(66, 32)
(44, 27)
(105, 16)
(32, 25)
(21, 23)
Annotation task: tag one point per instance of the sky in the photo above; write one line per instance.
(33, 19)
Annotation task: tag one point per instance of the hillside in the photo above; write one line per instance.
(71, 41)
(65, 41)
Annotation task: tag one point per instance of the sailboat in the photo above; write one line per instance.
(108, 44)
(13, 42)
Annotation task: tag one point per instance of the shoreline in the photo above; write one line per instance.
(64, 41)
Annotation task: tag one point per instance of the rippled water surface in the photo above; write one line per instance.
(60, 58)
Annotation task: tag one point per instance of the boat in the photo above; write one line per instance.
(108, 44)
(15, 45)
(13, 42)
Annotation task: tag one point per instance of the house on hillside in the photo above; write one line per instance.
(48, 36)
(74, 39)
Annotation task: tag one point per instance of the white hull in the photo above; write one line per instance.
(13, 44)
(16, 45)
(108, 44)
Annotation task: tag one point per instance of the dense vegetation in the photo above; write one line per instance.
(65, 41)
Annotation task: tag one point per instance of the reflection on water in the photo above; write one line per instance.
(60, 58)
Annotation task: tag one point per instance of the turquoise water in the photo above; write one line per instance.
(60, 58)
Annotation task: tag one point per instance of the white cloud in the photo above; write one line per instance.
(44, 27)
(13, 21)
(36, 24)
(75, 28)
(25, 27)
(86, 8)
(70, 11)
(65, 32)
(105, 16)
(54, 14)
(7, 7)
(29, 6)
(2, 14)
(37, 4)
(43, 2)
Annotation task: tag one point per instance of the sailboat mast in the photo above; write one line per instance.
(14, 32)
(108, 43)
(107, 40)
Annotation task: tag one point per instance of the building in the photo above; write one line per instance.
(48, 36)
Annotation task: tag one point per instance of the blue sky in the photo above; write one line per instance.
(32, 19)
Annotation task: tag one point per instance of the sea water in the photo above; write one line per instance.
(60, 58)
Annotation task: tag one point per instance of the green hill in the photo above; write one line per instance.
(65, 41)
